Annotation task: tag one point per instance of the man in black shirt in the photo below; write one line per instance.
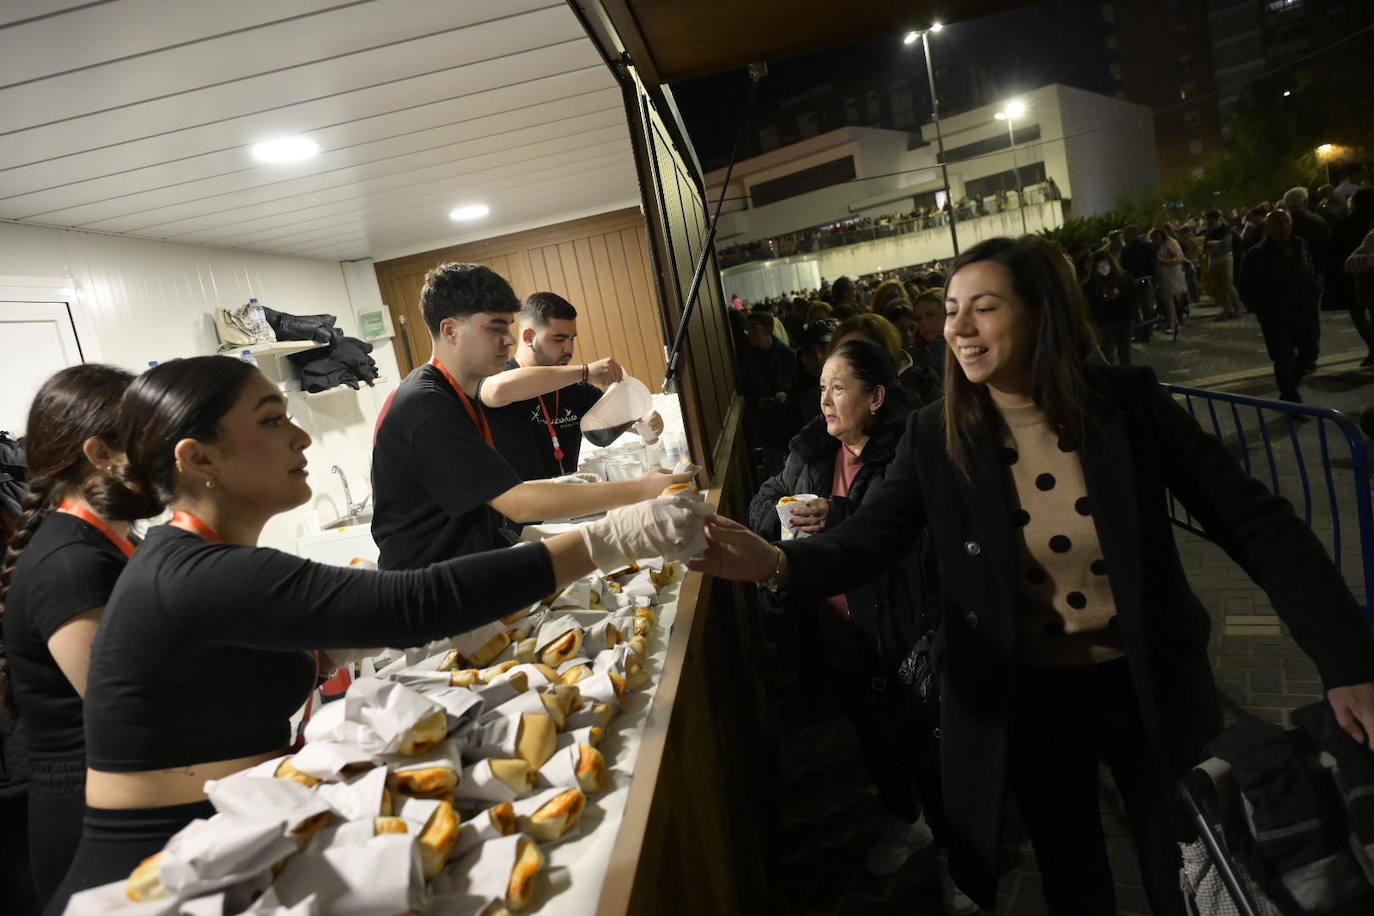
(542, 396)
(1279, 283)
(439, 484)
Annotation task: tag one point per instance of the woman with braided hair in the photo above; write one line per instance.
(59, 569)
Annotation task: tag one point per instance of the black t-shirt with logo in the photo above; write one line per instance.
(522, 434)
(432, 477)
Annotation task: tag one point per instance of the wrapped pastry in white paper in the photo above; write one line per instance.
(501, 689)
(431, 775)
(463, 706)
(269, 904)
(488, 824)
(579, 765)
(605, 634)
(624, 663)
(529, 736)
(496, 780)
(382, 716)
(559, 639)
(574, 670)
(301, 811)
(531, 701)
(640, 585)
(331, 761)
(111, 898)
(209, 855)
(501, 871)
(360, 797)
(600, 688)
(587, 734)
(593, 714)
(576, 595)
(536, 675)
(552, 814)
(380, 877)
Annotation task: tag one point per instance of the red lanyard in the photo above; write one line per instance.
(125, 545)
(197, 525)
(479, 419)
(548, 421)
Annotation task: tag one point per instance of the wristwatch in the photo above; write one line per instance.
(775, 583)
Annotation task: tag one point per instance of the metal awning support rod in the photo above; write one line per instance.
(671, 377)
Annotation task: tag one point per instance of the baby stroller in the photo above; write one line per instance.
(1284, 821)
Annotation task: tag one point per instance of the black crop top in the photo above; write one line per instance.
(67, 568)
(203, 650)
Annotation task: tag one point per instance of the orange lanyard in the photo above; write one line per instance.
(479, 419)
(125, 545)
(548, 421)
(201, 527)
(197, 525)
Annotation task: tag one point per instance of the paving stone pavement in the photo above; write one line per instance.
(832, 811)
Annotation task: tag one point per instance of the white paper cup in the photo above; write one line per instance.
(789, 527)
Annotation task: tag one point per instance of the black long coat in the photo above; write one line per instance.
(1142, 446)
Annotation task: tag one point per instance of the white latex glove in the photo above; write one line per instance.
(645, 431)
(578, 477)
(669, 526)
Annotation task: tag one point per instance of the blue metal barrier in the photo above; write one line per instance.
(1273, 428)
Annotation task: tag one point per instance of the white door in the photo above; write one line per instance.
(36, 339)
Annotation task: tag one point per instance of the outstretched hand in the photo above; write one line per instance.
(1354, 708)
(734, 552)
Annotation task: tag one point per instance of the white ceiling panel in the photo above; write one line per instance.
(136, 116)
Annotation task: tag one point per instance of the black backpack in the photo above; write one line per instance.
(13, 481)
(13, 488)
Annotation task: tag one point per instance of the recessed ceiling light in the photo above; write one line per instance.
(470, 212)
(285, 149)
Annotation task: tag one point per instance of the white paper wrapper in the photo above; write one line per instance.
(534, 678)
(380, 877)
(529, 701)
(478, 784)
(617, 660)
(577, 595)
(358, 798)
(269, 904)
(469, 642)
(498, 691)
(561, 769)
(375, 714)
(553, 629)
(425, 682)
(255, 797)
(578, 736)
(784, 510)
(463, 705)
(480, 878)
(598, 689)
(112, 898)
(573, 663)
(495, 738)
(587, 717)
(476, 831)
(208, 855)
(417, 811)
(639, 586)
(327, 760)
(597, 637)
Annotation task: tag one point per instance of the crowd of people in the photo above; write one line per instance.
(981, 567)
(856, 229)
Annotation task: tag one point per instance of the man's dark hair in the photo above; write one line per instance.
(541, 308)
(460, 290)
(760, 320)
(1212, 214)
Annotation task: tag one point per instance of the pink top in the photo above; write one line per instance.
(836, 628)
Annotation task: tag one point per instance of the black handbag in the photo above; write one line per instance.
(317, 328)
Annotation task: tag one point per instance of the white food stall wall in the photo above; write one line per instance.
(140, 300)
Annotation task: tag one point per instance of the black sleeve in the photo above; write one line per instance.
(1262, 534)
(69, 582)
(454, 464)
(871, 540)
(763, 516)
(260, 598)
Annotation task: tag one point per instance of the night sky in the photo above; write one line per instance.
(1054, 42)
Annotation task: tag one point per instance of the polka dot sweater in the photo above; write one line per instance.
(1068, 615)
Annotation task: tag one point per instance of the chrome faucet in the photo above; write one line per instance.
(354, 509)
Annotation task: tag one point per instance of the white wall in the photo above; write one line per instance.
(139, 300)
(770, 279)
(895, 251)
(1110, 149)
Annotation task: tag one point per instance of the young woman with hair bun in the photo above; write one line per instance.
(59, 568)
(208, 643)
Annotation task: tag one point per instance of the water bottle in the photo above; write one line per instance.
(257, 320)
(247, 357)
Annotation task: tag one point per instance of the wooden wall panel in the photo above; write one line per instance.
(600, 264)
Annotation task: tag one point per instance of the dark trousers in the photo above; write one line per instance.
(899, 746)
(17, 897)
(1116, 341)
(1291, 341)
(1069, 721)
(57, 804)
(113, 842)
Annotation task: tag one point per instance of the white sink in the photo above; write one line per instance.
(339, 546)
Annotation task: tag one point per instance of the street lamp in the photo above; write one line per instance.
(1324, 157)
(910, 39)
(1009, 113)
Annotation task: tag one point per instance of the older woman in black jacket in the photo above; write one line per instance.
(1072, 636)
(861, 636)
